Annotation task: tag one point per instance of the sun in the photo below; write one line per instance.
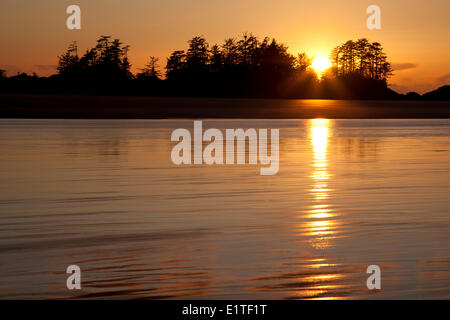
(320, 64)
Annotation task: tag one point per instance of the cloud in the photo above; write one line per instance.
(45, 67)
(444, 80)
(397, 66)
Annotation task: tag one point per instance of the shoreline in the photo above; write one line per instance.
(45, 106)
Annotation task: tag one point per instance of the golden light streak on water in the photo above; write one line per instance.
(321, 227)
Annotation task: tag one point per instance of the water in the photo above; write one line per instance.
(104, 195)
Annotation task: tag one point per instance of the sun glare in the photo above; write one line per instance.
(320, 64)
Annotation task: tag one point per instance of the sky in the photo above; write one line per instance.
(414, 33)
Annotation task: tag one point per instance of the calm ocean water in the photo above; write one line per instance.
(104, 195)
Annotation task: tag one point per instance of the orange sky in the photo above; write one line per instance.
(414, 32)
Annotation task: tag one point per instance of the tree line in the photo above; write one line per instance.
(239, 67)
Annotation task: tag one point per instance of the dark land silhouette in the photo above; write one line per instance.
(240, 68)
(145, 107)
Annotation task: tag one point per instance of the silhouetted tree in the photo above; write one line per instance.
(107, 61)
(361, 58)
(230, 52)
(197, 56)
(69, 62)
(247, 49)
(216, 59)
(175, 65)
(151, 70)
(302, 62)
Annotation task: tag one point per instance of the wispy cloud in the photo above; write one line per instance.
(445, 79)
(397, 66)
(45, 67)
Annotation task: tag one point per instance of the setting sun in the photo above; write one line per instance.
(320, 64)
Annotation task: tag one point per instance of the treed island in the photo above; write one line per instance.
(239, 67)
(100, 84)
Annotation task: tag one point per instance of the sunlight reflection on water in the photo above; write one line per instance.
(104, 194)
